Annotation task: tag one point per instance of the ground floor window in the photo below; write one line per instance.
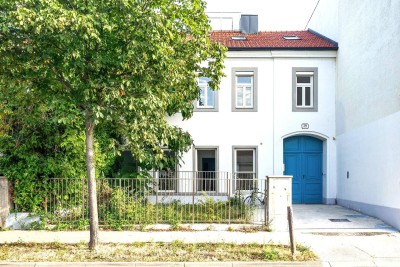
(244, 167)
(206, 168)
(168, 175)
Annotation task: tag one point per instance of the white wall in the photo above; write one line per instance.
(367, 103)
(274, 119)
(379, 181)
(326, 19)
(321, 123)
(226, 128)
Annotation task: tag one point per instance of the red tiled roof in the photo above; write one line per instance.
(274, 41)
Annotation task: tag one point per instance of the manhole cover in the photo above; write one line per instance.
(339, 220)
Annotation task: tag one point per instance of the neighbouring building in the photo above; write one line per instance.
(367, 102)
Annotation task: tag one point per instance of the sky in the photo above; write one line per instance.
(273, 15)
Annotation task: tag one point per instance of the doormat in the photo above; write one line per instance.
(339, 220)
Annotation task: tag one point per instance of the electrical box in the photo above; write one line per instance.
(279, 190)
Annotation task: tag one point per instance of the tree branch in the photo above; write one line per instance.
(61, 79)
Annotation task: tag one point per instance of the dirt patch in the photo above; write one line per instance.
(176, 251)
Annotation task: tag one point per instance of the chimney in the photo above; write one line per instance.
(249, 24)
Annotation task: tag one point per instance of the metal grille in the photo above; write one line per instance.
(161, 197)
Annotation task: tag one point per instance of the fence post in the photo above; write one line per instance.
(156, 188)
(228, 188)
(83, 199)
(291, 232)
(193, 187)
(265, 202)
(4, 201)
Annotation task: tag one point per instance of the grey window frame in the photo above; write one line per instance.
(255, 149)
(195, 148)
(195, 165)
(203, 109)
(174, 182)
(255, 89)
(314, 108)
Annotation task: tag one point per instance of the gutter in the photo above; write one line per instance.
(324, 37)
(283, 48)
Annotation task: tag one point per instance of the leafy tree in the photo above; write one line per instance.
(125, 62)
(35, 147)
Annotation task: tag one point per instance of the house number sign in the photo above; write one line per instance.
(304, 126)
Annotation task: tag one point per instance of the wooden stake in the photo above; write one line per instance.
(291, 231)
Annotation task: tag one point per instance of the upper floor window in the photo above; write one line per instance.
(305, 89)
(244, 89)
(208, 98)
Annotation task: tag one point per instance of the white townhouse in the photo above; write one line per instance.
(274, 114)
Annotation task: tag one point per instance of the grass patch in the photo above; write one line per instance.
(176, 251)
(124, 203)
(120, 210)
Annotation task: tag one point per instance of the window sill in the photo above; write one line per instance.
(244, 110)
(205, 110)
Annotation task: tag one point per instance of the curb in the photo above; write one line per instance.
(164, 264)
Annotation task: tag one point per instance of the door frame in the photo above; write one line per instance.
(195, 165)
(324, 138)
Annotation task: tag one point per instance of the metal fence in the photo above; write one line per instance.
(162, 197)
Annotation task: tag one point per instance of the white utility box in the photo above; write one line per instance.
(279, 190)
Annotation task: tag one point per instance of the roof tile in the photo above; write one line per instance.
(272, 40)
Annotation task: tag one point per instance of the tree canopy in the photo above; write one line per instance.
(129, 63)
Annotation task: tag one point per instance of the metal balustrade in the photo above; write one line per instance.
(160, 197)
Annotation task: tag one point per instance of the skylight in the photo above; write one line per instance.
(291, 37)
(239, 38)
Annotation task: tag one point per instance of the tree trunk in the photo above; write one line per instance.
(94, 219)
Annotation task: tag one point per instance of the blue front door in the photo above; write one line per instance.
(302, 156)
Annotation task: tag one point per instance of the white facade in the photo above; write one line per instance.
(274, 120)
(367, 102)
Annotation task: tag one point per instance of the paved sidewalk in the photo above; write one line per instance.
(350, 239)
(360, 241)
(355, 250)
